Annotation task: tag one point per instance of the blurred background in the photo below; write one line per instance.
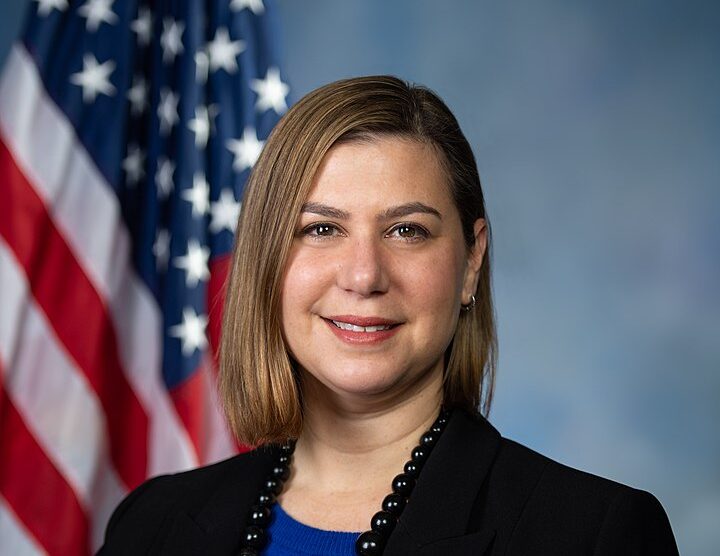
(596, 126)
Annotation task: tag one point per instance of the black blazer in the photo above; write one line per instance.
(478, 494)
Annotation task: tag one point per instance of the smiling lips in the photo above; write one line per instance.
(361, 330)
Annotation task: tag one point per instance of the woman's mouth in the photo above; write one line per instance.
(362, 330)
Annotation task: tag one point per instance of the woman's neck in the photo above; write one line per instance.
(347, 448)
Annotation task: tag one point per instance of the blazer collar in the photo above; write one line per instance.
(216, 526)
(441, 503)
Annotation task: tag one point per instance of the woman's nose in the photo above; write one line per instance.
(363, 269)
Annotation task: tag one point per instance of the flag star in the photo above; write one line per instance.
(194, 263)
(167, 111)
(94, 78)
(137, 95)
(225, 212)
(191, 331)
(256, 6)
(271, 92)
(198, 195)
(202, 63)
(223, 52)
(143, 26)
(134, 164)
(96, 12)
(46, 6)
(245, 150)
(200, 126)
(164, 177)
(171, 39)
(161, 248)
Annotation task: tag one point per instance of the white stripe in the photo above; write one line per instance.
(14, 538)
(55, 401)
(80, 201)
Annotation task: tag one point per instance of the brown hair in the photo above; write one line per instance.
(258, 385)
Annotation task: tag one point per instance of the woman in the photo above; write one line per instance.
(358, 343)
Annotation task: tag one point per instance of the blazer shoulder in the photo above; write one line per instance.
(552, 499)
(148, 510)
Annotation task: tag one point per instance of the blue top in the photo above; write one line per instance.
(289, 537)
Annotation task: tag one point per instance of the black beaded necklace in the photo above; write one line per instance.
(369, 543)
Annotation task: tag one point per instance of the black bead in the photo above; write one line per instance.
(247, 551)
(429, 439)
(273, 485)
(288, 448)
(420, 453)
(266, 498)
(403, 484)
(437, 429)
(383, 522)
(260, 516)
(369, 543)
(394, 503)
(284, 459)
(280, 472)
(413, 468)
(254, 537)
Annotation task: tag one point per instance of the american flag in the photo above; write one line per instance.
(127, 131)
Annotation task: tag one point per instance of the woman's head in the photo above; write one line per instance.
(260, 387)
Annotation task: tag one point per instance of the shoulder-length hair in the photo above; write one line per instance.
(258, 384)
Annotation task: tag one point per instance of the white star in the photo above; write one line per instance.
(161, 248)
(271, 92)
(143, 26)
(96, 12)
(137, 95)
(246, 150)
(46, 6)
(198, 195)
(200, 126)
(167, 111)
(164, 177)
(94, 78)
(225, 212)
(201, 66)
(194, 263)
(223, 52)
(171, 39)
(191, 331)
(256, 6)
(134, 164)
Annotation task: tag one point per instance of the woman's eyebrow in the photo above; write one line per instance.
(325, 210)
(408, 209)
(393, 212)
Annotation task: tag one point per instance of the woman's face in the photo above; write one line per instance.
(378, 270)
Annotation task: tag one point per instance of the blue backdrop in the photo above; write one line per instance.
(597, 131)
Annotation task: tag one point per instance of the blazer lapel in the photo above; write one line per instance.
(439, 508)
(216, 527)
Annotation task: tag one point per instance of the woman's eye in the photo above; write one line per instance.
(409, 232)
(320, 230)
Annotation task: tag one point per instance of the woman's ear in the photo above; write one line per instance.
(475, 260)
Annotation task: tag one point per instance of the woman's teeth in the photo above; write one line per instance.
(354, 328)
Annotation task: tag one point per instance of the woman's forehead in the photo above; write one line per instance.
(386, 168)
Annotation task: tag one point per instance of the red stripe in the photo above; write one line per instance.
(191, 405)
(36, 491)
(217, 286)
(219, 272)
(77, 314)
